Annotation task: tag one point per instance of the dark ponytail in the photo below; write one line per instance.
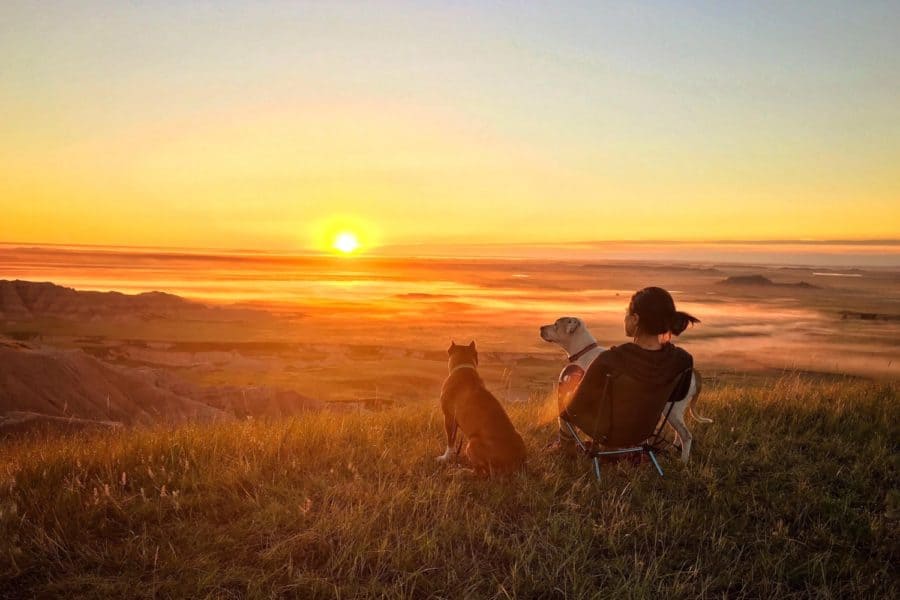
(680, 322)
(655, 309)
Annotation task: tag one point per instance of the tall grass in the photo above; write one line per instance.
(793, 492)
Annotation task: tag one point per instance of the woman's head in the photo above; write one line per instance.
(652, 311)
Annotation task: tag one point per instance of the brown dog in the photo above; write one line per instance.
(494, 445)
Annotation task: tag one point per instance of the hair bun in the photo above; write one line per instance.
(680, 321)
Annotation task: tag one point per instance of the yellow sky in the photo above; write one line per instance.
(242, 130)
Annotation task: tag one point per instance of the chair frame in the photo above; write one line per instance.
(595, 455)
(648, 448)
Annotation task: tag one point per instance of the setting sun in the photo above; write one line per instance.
(346, 242)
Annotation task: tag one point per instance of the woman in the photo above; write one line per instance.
(650, 320)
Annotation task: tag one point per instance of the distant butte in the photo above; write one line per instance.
(29, 300)
(761, 281)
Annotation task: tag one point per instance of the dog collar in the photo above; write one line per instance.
(582, 352)
(462, 366)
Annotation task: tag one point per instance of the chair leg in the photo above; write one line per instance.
(575, 436)
(655, 462)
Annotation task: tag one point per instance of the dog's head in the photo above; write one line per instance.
(562, 330)
(460, 355)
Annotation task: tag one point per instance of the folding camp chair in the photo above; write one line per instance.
(620, 414)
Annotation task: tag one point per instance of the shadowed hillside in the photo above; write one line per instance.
(48, 384)
(67, 383)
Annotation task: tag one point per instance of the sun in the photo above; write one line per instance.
(346, 242)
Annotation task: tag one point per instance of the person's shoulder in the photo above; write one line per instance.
(628, 349)
(605, 360)
(613, 357)
(679, 349)
(609, 353)
(681, 354)
(619, 349)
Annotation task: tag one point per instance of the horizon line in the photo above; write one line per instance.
(537, 245)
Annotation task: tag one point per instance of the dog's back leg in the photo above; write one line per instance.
(696, 386)
(684, 434)
(475, 453)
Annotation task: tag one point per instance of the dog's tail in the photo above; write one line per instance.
(698, 385)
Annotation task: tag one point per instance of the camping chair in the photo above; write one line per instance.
(620, 414)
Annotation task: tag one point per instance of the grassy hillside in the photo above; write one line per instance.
(792, 491)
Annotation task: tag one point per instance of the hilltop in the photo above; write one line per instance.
(792, 493)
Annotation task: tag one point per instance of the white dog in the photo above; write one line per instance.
(581, 347)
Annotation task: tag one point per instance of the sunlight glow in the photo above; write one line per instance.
(346, 242)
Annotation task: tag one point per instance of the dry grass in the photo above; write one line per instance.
(793, 492)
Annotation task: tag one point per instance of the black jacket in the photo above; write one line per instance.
(652, 366)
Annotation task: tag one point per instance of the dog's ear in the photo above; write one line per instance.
(450, 349)
(474, 352)
(472, 345)
(572, 325)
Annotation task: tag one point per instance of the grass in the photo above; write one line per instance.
(792, 492)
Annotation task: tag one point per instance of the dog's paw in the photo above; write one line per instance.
(447, 456)
(465, 473)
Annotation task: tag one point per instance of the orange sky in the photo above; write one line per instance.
(276, 127)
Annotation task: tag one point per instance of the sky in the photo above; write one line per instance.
(277, 125)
